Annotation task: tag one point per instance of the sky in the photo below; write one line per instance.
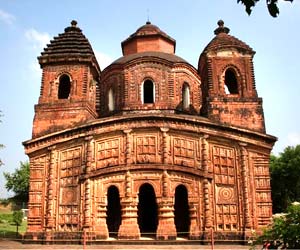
(27, 26)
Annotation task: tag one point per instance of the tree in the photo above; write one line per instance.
(17, 219)
(18, 182)
(285, 178)
(284, 232)
(271, 4)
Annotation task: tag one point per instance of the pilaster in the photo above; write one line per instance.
(165, 149)
(194, 226)
(50, 223)
(245, 185)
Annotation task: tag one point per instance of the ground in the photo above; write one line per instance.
(5, 244)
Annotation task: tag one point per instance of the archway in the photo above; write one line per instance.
(113, 219)
(182, 215)
(148, 92)
(231, 84)
(147, 211)
(64, 87)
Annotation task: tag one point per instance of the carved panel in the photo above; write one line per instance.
(37, 190)
(146, 148)
(226, 217)
(70, 165)
(225, 195)
(261, 189)
(108, 152)
(185, 151)
(224, 167)
(68, 195)
(225, 188)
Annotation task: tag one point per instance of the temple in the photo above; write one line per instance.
(150, 146)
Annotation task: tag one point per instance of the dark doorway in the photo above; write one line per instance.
(182, 215)
(231, 84)
(147, 211)
(148, 92)
(113, 219)
(64, 87)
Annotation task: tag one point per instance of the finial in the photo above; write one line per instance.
(74, 23)
(221, 28)
(148, 21)
(220, 23)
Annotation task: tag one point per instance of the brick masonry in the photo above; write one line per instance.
(150, 134)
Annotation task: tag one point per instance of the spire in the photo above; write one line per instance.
(221, 28)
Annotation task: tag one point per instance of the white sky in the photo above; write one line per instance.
(27, 26)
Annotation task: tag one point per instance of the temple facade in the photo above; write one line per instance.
(150, 146)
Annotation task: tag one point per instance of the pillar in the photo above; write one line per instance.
(101, 230)
(166, 229)
(129, 228)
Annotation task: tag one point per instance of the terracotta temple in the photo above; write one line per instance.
(150, 146)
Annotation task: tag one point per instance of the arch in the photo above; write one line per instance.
(181, 211)
(113, 212)
(111, 100)
(230, 82)
(64, 87)
(147, 210)
(185, 96)
(148, 91)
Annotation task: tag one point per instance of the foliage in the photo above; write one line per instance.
(285, 178)
(271, 4)
(17, 219)
(18, 182)
(7, 226)
(284, 231)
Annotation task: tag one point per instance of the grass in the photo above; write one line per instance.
(8, 228)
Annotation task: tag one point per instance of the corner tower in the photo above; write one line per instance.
(69, 81)
(228, 84)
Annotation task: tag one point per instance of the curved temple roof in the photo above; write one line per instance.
(72, 45)
(223, 40)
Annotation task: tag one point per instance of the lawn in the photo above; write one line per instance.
(8, 227)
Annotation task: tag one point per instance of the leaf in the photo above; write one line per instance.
(273, 8)
(249, 4)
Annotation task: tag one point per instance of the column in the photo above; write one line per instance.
(129, 228)
(101, 229)
(166, 229)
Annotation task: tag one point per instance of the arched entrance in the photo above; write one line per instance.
(147, 211)
(182, 215)
(113, 219)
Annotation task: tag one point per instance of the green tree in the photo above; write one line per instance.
(18, 182)
(271, 4)
(17, 219)
(284, 232)
(285, 178)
